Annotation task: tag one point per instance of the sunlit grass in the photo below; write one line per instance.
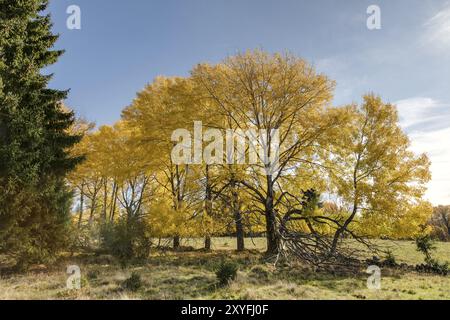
(191, 275)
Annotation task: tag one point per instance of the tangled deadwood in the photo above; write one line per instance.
(318, 249)
(319, 239)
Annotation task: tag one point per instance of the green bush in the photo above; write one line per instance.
(93, 274)
(126, 240)
(425, 245)
(433, 266)
(226, 272)
(260, 272)
(390, 260)
(133, 283)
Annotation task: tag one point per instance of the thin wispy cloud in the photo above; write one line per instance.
(428, 123)
(423, 114)
(438, 29)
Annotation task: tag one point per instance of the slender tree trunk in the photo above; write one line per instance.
(207, 243)
(91, 215)
(273, 239)
(208, 207)
(113, 202)
(97, 188)
(240, 245)
(343, 228)
(93, 205)
(80, 217)
(179, 201)
(176, 242)
(105, 199)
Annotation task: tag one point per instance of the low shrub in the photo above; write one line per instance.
(260, 272)
(426, 245)
(126, 240)
(433, 266)
(93, 274)
(390, 261)
(133, 283)
(227, 272)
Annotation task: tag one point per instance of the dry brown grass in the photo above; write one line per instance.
(191, 275)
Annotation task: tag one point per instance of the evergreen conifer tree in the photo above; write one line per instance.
(34, 138)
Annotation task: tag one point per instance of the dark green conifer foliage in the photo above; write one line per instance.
(34, 138)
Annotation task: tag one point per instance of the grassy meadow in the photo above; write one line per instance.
(191, 275)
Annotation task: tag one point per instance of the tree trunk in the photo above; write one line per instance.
(105, 199)
(80, 218)
(239, 231)
(91, 215)
(113, 201)
(159, 243)
(239, 225)
(176, 242)
(208, 243)
(273, 239)
(271, 234)
(341, 230)
(208, 207)
(97, 188)
(240, 245)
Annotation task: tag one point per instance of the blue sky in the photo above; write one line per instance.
(123, 45)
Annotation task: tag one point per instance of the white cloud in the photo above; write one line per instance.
(435, 144)
(415, 110)
(438, 29)
(416, 115)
